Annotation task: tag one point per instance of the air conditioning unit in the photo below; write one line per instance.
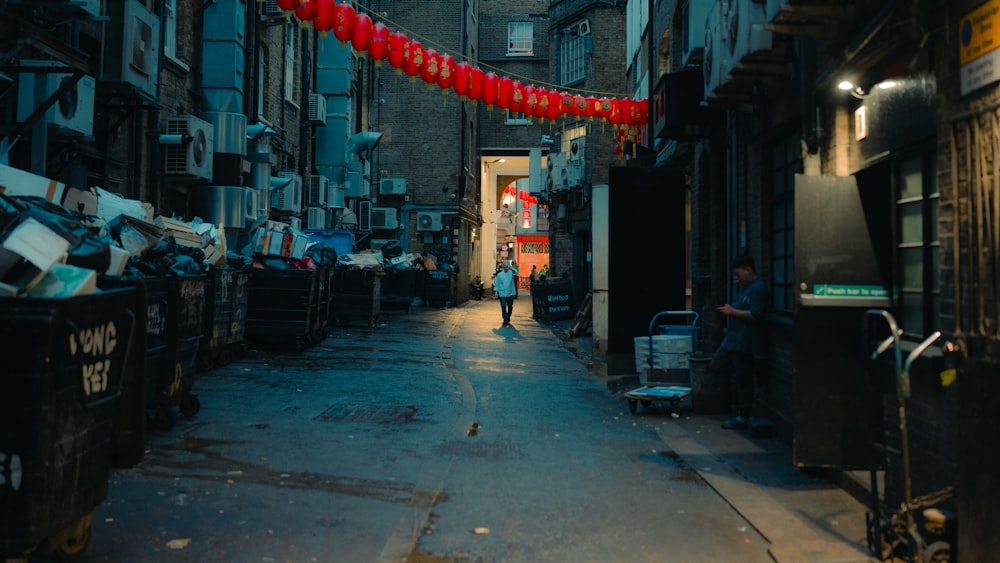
(575, 174)
(295, 223)
(319, 189)
(132, 45)
(392, 186)
(72, 114)
(384, 218)
(364, 214)
(427, 221)
(76, 8)
(271, 8)
(557, 179)
(694, 16)
(317, 218)
(193, 158)
(317, 109)
(752, 47)
(289, 196)
(583, 29)
(715, 63)
(577, 148)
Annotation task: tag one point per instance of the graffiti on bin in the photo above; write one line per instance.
(11, 471)
(94, 346)
(156, 318)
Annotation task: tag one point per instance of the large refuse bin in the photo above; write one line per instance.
(281, 308)
(398, 290)
(63, 365)
(357, 296)
(225, 317)
(438, 287)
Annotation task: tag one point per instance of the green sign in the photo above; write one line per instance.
(850, 291)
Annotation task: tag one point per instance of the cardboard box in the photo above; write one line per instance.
(669, 351)
(119, 259)
(63, 281)
(21, 182)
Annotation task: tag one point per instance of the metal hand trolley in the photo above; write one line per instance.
(896, 536)
(673, 382)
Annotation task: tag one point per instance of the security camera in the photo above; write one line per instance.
(547, 141)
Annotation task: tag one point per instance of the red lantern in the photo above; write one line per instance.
(325, 15)
(416, 58)
(505, 92)
(306, 11)
(554, 110)
(606, 107)
(398, 48)
(580, 105)
(362, 39)
(476, 83)
(463, 78)
(379, 47)
(522, 195)
(530, 100)
(446, 75)
(566, 104)
(288, 5)
(625, 111)
(432, 67)
(344, 20)
(517, 100)
(491, 84)
(642, 113)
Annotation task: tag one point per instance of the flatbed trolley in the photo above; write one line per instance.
(673, 383)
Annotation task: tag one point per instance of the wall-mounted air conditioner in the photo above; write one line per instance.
(271, 8)
(319, 189)
(295, 223)
(317, 109)
(695, 14)
(577, 149)
(429, 221)
(132, 45)
(193, 155)
(384, 218)
(392, 186)
(716, 59)
(317, 218)
(557, 179)
(75, 8)
(73, 112)
(575, 173)
(357, 179)
(752, 46)
(289, 196)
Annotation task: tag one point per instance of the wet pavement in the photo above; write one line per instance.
(442, 436)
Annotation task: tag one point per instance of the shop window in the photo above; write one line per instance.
(520, 39)
(918, 256)
(786, 162)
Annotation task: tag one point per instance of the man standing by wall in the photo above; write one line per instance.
(506, 288)
(745, 344)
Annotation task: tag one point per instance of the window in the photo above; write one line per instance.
(918, 245)
(170, 29)
(572, 58)
(786, 161)
(517, 118)
(520, 38)
(290, 35)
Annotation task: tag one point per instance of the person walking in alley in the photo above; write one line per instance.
(745, 343)
(506, 288)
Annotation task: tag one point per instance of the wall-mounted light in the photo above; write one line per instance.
(854, 90)
(499, 160)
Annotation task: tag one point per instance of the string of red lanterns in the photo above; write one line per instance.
(411, 57)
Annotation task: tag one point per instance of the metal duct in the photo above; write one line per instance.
(333, 81)
(222, 205)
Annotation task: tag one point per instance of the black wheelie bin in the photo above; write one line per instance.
(64, 361)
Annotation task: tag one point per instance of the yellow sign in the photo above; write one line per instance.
(979, 32)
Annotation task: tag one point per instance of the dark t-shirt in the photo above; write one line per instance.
(749, 336)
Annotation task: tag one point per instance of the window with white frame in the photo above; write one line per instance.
(170, 28)
(570, 135)
(517, 118)
(572, 58)
(520, 38)
(291, 32)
